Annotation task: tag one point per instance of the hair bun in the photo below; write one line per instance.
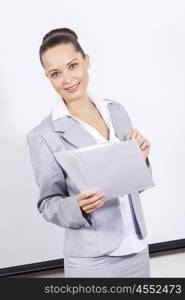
(64, 30)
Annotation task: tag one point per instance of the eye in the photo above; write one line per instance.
(55, 73)
(75, 64)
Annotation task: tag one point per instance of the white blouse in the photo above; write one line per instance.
(131, 242)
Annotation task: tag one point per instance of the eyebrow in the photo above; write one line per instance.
(66, 65)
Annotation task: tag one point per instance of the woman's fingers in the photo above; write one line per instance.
(132, 134)
(135, 134)
(129, 135)
(145, 144)
(92, 202)
(96, 205)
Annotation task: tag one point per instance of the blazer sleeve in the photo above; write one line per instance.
(131, 126)
(54, 203)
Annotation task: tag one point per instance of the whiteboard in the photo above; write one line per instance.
(137, 57)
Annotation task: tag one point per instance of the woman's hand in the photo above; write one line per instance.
(144, 143)
(91, 200)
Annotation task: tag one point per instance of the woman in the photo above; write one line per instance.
(103, 237)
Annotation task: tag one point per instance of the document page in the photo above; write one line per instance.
(113, 168)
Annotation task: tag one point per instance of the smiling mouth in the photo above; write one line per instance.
(73, 86)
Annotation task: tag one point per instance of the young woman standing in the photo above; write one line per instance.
(103, 237)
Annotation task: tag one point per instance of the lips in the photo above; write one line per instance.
(73, 87)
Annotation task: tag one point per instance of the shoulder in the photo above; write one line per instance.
(39, 129)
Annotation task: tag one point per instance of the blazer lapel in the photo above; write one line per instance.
(75, 134)
(71, 131)
(119, 121)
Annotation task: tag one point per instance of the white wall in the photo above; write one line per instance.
(137, 52)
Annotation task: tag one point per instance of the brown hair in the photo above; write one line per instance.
(59, 36)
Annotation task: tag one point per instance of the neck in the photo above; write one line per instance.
(79, 106)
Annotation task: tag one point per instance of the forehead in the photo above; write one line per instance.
(59, 56)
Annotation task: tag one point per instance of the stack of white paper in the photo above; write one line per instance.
(113, 168)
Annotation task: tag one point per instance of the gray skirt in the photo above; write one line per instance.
(132, 265)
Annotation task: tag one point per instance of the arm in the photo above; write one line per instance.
(54, 203)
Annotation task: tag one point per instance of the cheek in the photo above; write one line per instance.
(57, 83)
(83, 76)
(78, 74)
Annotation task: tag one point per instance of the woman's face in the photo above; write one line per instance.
(65, 67)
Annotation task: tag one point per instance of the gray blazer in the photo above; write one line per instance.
(86, 235)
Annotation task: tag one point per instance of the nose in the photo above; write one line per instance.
(66, 80)
(67, 83)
